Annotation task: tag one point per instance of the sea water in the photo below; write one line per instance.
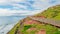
(8, 22)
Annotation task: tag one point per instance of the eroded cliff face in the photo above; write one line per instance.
(30, 26)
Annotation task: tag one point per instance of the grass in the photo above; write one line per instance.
(49, 29)
(52, 13)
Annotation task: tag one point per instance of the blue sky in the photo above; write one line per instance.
(24, 7)
(11, 11)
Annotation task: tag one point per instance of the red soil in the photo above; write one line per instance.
(30, 22)
(41, 32)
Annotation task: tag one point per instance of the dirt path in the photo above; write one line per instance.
(48, 21)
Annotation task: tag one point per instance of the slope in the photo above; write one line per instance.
(29, 26)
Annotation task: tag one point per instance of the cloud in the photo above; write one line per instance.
(27, 4)
(7, 12)
(24, 7)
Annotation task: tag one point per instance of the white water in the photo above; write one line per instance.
(6, 28)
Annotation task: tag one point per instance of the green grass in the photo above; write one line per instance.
(52, 12)
(12, 31)
(27, 27)
(49, 29)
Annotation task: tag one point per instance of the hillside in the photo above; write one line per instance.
(30, 26)
(52, 13)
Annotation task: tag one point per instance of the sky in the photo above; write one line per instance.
(24, 7)
(18, 9)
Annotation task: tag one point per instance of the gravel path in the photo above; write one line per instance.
(48, 21)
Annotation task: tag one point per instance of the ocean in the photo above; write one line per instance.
(8, 22)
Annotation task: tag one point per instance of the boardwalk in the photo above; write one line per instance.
(49, 21)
